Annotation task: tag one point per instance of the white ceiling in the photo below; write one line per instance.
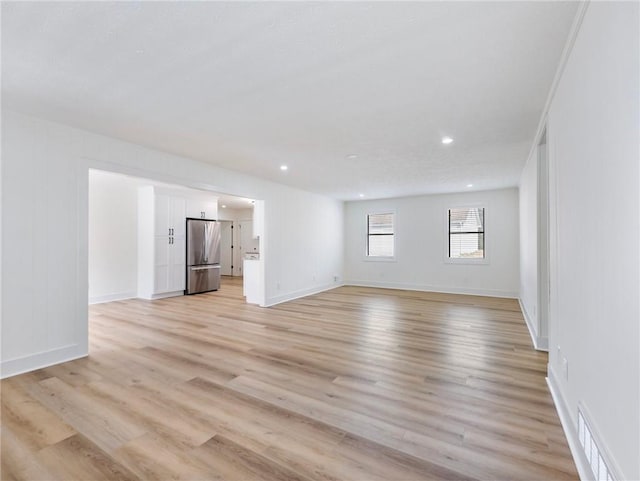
(250, 86)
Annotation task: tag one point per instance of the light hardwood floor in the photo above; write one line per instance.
(351, 384)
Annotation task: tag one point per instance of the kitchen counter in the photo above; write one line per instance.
(250, 279)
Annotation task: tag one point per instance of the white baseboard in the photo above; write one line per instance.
(539, 343)
(272, 301)
(118, 296)
(20, 365)
(162, 295)
(569, 427)
(428, 288)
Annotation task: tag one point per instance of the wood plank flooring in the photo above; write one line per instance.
(351, 384)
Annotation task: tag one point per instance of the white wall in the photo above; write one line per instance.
(234, 214)
(592, 134)
(528, 193)
(113, 237)
(45, 232)
(421, 240)
(311, 239)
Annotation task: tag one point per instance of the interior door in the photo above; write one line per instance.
(226, 251)
(237, 252)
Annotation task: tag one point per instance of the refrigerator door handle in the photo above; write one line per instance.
(205, 237)
(204, 268)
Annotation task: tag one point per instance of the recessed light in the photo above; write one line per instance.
(446, 140)
(284, 167)
(352, 156)
(469, 185)
(139, 51)
(224, 206)
(361, 195)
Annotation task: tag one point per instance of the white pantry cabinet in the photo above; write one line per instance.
(170, 214)
(169, 269)
(161, 243)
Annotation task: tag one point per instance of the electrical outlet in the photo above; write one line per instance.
(565, 368)
(335, 278)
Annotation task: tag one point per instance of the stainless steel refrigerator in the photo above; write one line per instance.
(203, 256)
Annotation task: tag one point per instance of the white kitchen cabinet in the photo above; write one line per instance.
(169, 265)
(161, 253)
(169, 214)
(251, 281)
(202, 208)
(177, 264)
(161, 243)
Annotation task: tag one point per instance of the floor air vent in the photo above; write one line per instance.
(594, 456)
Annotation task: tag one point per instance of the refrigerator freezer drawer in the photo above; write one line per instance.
(203, 278)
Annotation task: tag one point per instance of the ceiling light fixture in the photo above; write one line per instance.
(469, 185)
(284, 167)
(224, 206)
(447, 140)
(361, 195)
(352, 156)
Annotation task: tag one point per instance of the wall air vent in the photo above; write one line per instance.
(593, 453)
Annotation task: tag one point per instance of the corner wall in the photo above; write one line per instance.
(421, 240)
(45, 169)
(113, 237)
(593, 130)
(528, 201)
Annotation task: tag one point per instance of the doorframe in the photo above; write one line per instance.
(232, 242)
(83, 166)
(543, 242)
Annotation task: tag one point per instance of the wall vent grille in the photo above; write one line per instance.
(594, 456)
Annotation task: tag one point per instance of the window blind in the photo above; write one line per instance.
(380, 235)
(466, 233)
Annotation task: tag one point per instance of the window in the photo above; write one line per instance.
(466, 233)
(380, 235)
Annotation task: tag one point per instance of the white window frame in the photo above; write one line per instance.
(465, 260)
(366, 256)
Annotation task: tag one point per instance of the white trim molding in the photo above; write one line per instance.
(272, 301)
(570, 430)
(118, 296)
(564, 57)
(539, 343)
(429, 288)
(20, 365)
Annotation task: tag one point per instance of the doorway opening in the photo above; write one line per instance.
(133, 254)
